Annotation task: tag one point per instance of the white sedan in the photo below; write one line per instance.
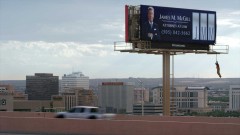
(86, 112)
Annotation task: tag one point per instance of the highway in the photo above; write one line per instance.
(35, 124)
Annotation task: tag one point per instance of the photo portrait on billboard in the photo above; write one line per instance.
(162, 25)
(150, 28)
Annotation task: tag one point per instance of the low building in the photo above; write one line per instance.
(11, 100)
(78, 97)
(31, 105)
(6, 98)
(141, 95)
(156, 95)
(57, 104)
(151, 109)
(218, 105)
(192, 99)
(186, 99)
(8, 88)
(20, 96)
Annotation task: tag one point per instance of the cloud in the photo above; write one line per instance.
(228, 18)
(112, 25)
(227, 40)
(40, 56)
(235, 12)
(19, 59)
(228, 28)
(229, 23)
(60, 49)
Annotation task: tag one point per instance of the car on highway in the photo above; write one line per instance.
(85, 112)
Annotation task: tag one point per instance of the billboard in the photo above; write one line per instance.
(177, 28)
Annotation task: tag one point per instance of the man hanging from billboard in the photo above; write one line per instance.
(150, 29)
(218, 69)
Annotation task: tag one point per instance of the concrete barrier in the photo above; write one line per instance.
(28, 114)
(134, 117)
(181, 118)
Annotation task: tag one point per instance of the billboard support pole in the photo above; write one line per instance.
(172, 102)
(166, 83)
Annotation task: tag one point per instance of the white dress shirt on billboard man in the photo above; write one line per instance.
(150, 29)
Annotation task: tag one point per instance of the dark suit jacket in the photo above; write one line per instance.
(146, 28)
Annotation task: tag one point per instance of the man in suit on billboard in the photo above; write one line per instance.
(150, 29)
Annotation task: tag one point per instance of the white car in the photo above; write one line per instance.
(86, 112)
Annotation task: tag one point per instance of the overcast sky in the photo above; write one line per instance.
(56, 36)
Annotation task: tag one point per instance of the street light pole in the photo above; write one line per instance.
(142, 100)
(142, 95)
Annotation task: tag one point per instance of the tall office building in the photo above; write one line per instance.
(116, 97)
(234, 98)
(41, 86)
(74, 80)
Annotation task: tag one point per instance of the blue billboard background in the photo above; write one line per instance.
(175, 25)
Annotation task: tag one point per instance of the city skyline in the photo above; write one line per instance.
(63, 36)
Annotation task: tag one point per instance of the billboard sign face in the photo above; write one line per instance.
(177, 26)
